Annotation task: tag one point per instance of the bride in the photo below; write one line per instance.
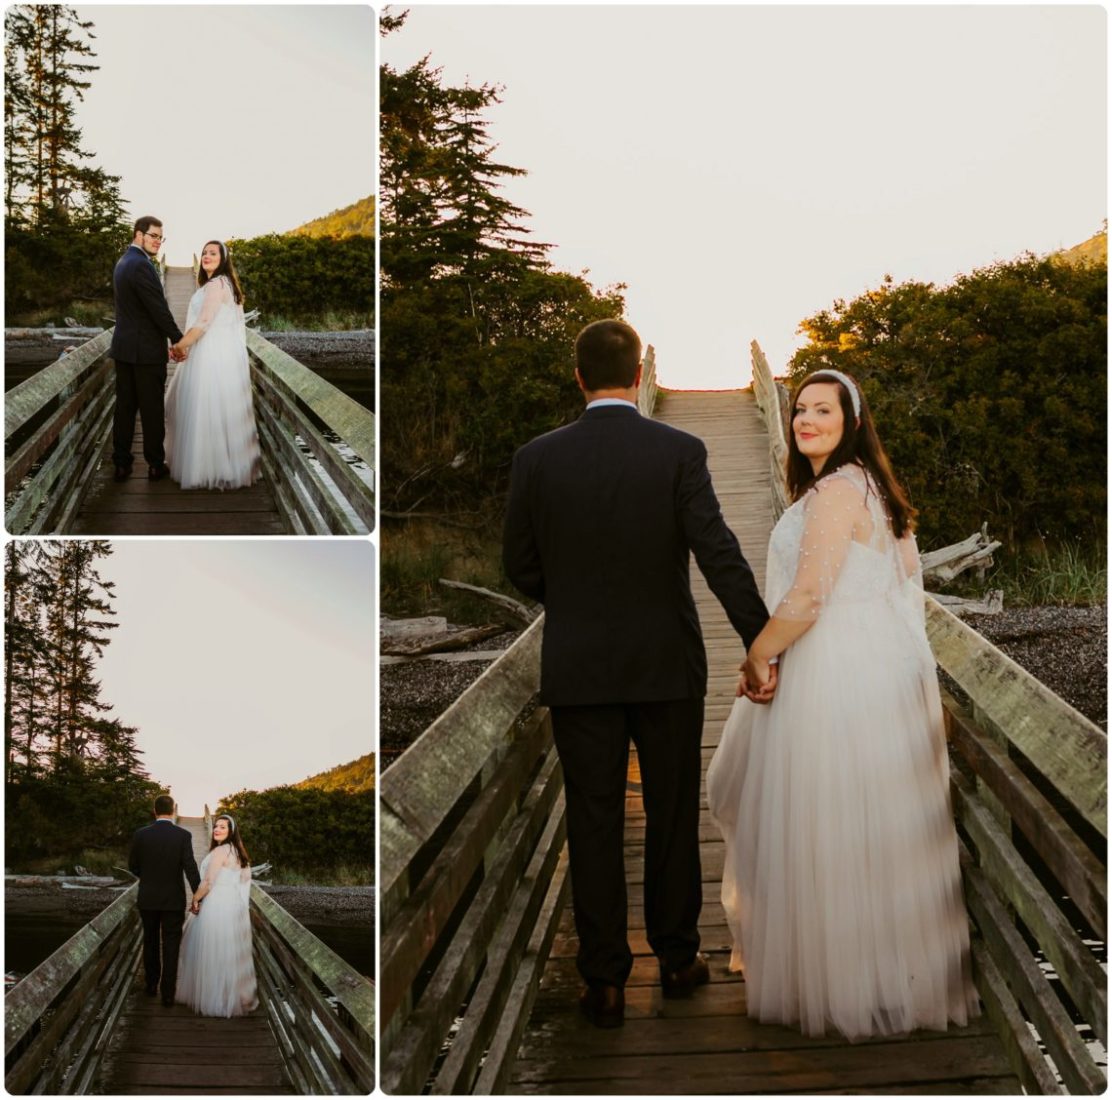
(211, 438)
(216, 976)
(841, 881)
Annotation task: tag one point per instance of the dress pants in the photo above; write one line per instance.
(142, 387)
(163, 925)
(593, 745)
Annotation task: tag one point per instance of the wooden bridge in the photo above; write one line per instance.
(317, 453)
(80, 1023)
(478, 981)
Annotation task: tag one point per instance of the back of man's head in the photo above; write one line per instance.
(164, 806)
(607, 355)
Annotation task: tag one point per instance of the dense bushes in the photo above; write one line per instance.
(989, 394)
(300, 278)
(306, 830)
(46, 269)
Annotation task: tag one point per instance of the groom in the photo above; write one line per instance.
(160, 854)
(601, 518)
(144, 324)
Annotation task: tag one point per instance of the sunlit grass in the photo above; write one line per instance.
(1069, 574)
(345, 874)
(329, 321)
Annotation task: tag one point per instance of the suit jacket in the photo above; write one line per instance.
(602, 517)
(143, 319)
(160, 854)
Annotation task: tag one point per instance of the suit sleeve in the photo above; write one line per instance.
(133, 855)
(715, 547)
(153, 301)
(521, 556)
(189, 864)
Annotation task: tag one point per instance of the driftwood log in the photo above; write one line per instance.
(420, 645)
(518, 610)
(975, 552)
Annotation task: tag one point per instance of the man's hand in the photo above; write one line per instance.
(195, 907)
(757, 681)
(178, 353)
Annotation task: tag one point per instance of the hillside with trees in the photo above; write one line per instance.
(356, 220)
(357, 776)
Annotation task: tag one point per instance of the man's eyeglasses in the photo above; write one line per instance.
(154, 237)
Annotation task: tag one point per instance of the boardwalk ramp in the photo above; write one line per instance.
(707, 1044)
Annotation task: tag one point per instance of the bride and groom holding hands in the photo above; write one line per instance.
(216, 976)
(201, 430)
(841, 882)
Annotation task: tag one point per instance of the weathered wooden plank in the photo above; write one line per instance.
(486, 1009)
(1019, 1045)
(347, 418)
(417, 790)
(1080, 973)
(22, 402)
(415, 928)
(737, 1068)
(1066, 747)
(499, 1062)
(1031, 988)
(1073, 864)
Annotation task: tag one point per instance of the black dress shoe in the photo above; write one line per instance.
(151, 990)
(157, 473)
(603, 1005)
(682, 981)
(121, 473)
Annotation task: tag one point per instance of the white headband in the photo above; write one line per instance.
(850, 385)
(229, 819)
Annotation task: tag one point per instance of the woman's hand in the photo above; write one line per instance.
(758, 680)
(195, 907)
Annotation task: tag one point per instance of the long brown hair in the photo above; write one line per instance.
(226, 268)
(233, 838)
(860, 444)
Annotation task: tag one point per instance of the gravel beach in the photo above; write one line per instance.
(348, 906)
(1065, 647)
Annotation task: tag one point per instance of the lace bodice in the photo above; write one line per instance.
(835, 546)
(214, 304)
(220, 868)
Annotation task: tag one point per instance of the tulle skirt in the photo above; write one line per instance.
(216, 971)
(841, 883)
(211, 439)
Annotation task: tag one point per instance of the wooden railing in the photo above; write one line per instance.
(767, 393)
(472, 881)
(1030, 797)
(646, 397)
(57, 422)
(55, 426)
(58, 1019)
(321, 1010)
(313, 481)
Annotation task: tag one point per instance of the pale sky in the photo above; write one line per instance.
(245, 664)
(742, 167)
(232, 121)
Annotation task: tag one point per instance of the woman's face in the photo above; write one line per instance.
(220, 830)
(818, 422)
(210, 258)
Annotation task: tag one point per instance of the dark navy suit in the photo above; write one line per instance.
(603, 516)
(144, 324)
(160, 855)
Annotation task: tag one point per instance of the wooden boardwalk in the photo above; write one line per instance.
(157, 1050)
(707, 1044)
(142, 507)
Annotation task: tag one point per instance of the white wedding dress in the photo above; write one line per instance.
(211, 439)
(216, 971)
(841, 881)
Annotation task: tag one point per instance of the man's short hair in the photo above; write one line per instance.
(143, 225)
(163, 804)
(608, 354)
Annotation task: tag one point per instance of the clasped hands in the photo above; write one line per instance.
(757, 681)
(195, 907)
(178, 353)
